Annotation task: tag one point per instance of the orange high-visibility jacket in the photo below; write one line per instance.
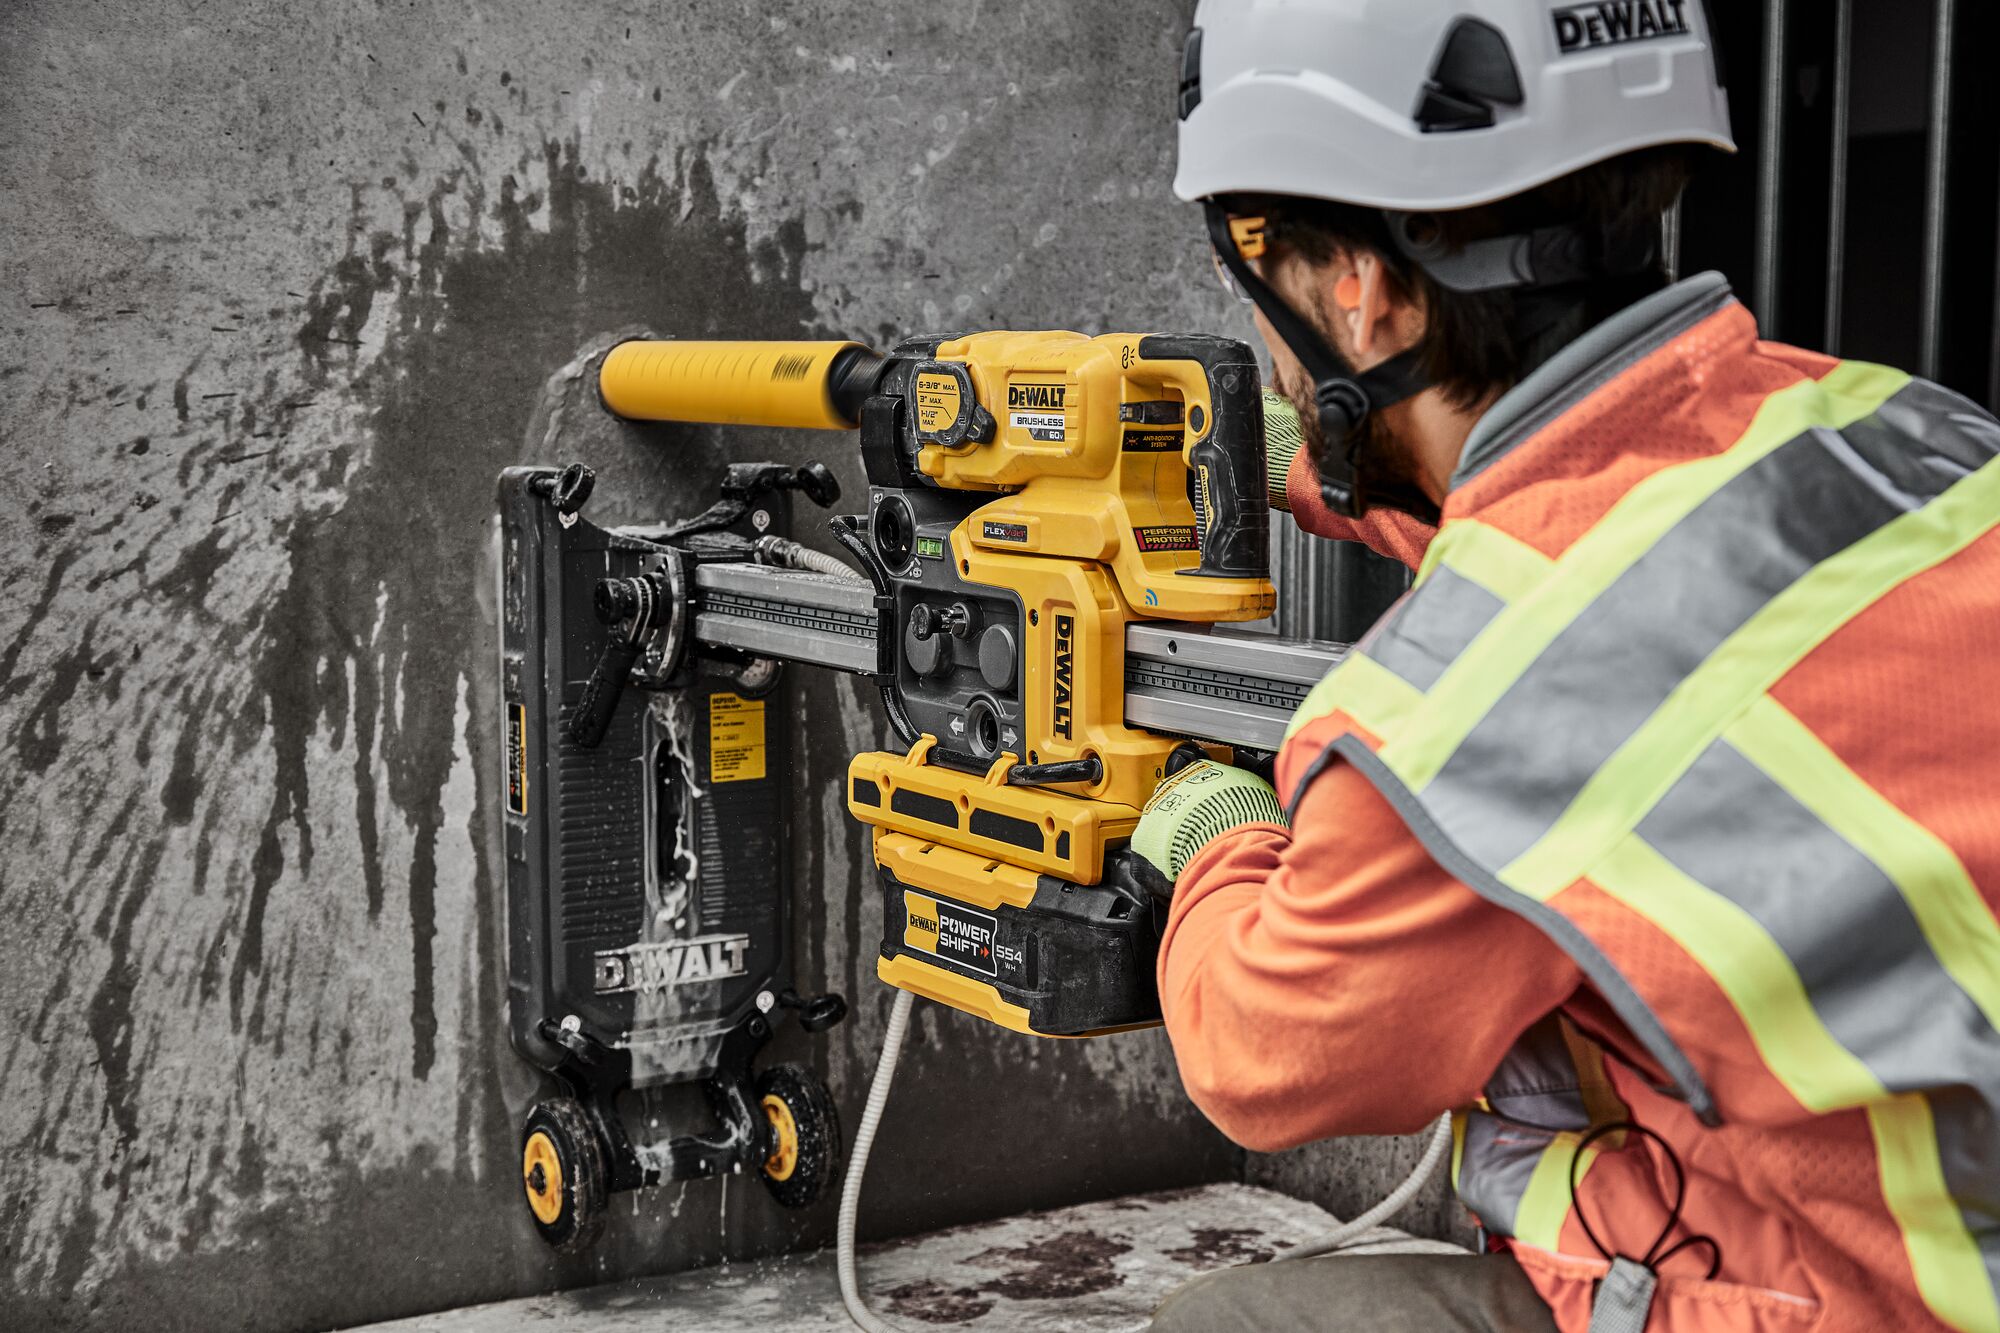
(1700, 685)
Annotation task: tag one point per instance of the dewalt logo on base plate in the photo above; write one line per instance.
(664, 964)
(949, 931)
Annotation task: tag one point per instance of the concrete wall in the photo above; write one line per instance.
(282, 288)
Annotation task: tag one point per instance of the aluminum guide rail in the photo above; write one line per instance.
(1212, 683)
(787, 614)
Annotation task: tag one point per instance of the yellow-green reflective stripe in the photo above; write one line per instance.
(1752, 970)
(1949, 909)
(1950, 1271)
(1545, 1204)
(1502, 564)
(1744, 665)
(1518, 635)
(1375, 696)
(1458, 1119)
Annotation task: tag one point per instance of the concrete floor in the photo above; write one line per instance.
(1093, 1268)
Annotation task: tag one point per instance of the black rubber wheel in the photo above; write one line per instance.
(562, 1174)
(805, 1126)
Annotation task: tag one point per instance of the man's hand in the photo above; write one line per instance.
(1197, 805)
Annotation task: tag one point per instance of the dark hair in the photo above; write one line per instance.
(1479, 343)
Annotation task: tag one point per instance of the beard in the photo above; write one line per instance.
(1379, 457)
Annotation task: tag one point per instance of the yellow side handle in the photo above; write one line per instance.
(726, 383)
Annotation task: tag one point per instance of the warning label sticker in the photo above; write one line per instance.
(1152, 440)
(1039, 425)
(735, 738)
(517, 759)
(954, 933)
(1167, 537)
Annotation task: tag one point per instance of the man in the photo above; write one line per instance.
(1655, 830)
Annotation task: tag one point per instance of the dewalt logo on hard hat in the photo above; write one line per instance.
(1611, 22)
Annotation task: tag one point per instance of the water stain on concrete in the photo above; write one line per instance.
(1075, 1263)
(932, 1302)
(377, 624)
(1224, 1247)
(367, 646)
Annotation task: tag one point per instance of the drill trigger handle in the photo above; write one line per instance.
(1232, 503)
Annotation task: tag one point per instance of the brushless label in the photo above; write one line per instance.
(1152, 440)
(1038, 410)
(669, 963)
(1167, 537)
(517, 759)
(735, 738)
(1003, 532)
(1063, 688)
(949, 931)
(938, 402)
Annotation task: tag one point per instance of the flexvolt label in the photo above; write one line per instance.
(954, 933)
(1038, 410)
(1613, 22)
(652, 967)
(1064, 676)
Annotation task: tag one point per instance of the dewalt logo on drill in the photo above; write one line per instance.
(1038, 410)
(1065, 675)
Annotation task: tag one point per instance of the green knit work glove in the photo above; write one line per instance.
(1283, 438)
(1197, 805)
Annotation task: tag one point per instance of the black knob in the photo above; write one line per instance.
(822, 1012)
(568, 489)
(955, 620)
(818, 482)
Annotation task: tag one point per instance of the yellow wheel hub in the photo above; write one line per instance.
(784, 1158)
(541, 1176)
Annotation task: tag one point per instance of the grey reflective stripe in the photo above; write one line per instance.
(1596, 967)
(1536, 1092)
(1422, 635)
(1496, 1162)
(1538, 1082)
(1614, 665)
(1586, 365)
(1867, 968)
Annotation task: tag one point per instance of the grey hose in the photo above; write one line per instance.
(857, 1167)
(1349, 1232)
(788, 554)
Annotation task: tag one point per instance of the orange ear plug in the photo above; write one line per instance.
(1347, 292)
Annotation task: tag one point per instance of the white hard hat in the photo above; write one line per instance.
(1419, 105)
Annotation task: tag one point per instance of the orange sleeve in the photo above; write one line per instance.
(1384, 531)
(1334, 980)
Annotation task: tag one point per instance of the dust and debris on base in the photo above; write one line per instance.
(1098, 1268)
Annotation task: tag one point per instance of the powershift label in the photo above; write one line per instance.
(954, 933)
